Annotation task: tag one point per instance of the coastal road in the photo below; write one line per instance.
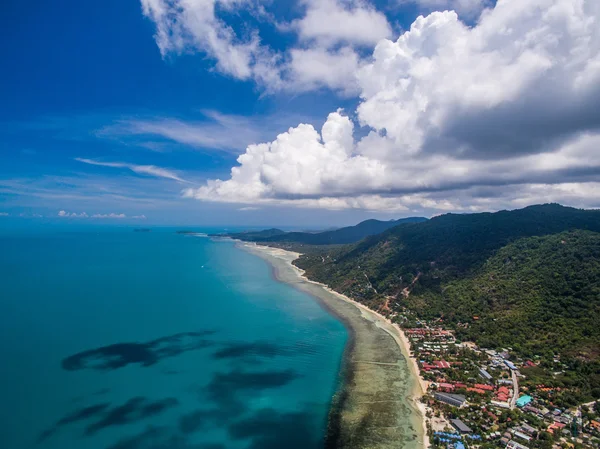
(515, 379)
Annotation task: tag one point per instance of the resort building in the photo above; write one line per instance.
(523, 401)
(511, 365)
(457, 400)
(460, 426)
(483, 373)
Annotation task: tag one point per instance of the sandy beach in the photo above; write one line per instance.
(377, 405)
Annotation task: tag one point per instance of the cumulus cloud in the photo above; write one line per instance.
(150, 170)
(330, 22)
(328, 33)
(468, 9)
(508, 105)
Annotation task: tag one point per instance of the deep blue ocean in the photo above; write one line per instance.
(114, 339)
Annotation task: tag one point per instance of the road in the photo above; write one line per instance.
(515, 380)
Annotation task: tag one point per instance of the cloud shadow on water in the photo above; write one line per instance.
(119, 355)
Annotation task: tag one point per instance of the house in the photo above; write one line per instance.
(500, 404)
(457, 400)
(477, 390)
(510, 365)
(484, 387)
(442, 386)
(523, 401)
(528, 429)
(555, 426)
(522, 436)
(441, 364)
(483, 373)
(512, 444)
(460, 426)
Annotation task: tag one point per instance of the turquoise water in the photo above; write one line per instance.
(113, 339)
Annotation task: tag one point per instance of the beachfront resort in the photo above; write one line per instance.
(482, 398)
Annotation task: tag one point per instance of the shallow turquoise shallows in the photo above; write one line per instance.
(115, 339)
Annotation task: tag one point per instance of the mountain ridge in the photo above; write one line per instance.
(345, 235)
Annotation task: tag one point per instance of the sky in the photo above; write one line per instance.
(295, 112)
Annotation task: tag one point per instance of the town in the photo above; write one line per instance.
(484, 398)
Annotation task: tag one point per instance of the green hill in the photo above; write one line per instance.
(441, 261)
(531, 292)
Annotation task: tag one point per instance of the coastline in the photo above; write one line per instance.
(378, 404)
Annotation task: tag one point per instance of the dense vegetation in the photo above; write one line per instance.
(528, 279)
(350, 234)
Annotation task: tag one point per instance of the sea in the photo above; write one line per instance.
(116, 339)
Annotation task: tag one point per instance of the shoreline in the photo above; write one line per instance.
(363, 381)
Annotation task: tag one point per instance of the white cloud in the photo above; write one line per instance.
(330, 22)
(217, 131)
(150, 170)
(468, 9)
(325, 56)
(4, 214)
(111, 215)
(65, 214)
(455, 113)
(317, 67)
(183, 25)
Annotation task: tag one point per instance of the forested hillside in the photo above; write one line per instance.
(484, 265)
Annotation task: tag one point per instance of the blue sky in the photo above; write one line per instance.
(100, 116)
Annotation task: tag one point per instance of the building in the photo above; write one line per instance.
(483, 373)
(457, 400)
(511, 365)
(522, 436)
(512, 444)
(500, 404)
(523, 401)
(460, 426)
(442, 386)
(528, 429)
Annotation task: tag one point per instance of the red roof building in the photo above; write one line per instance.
(477, 390)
